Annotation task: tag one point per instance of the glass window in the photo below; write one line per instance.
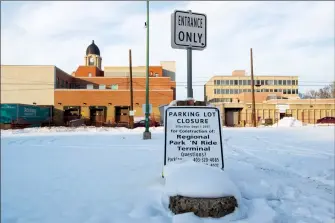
(231, 82)
(275, 90)
(214, 91)
(271, 90)
(262, 82)
(296, 82)
(90, 86)
(289, 82)
(280, 90)
(275, 82)
(249, 90)
(288, 91)
(244, 82)
(296, 91)
(284, 91)
(235, 91)
(231, 91)
(270, 82)
(293, 91)
(280, 82)
(266, 90)
(90, 74)
(102, 86)
(227, 82)
(258, 82)
(284, 82)
(240, 82)
(249, 82)
(235, 82)
(245, 90)
(115, 87)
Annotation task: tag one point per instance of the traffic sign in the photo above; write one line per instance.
(193, 133)
(188, 30)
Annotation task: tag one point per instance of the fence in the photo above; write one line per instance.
(272, 116)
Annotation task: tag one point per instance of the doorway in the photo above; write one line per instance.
(121, 114)
(98, 115)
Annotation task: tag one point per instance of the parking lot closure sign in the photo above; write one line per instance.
(193, 133)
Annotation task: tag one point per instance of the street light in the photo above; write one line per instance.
(147, 133)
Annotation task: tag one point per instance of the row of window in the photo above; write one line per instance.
(238, 91)
(214, 100)
(66, 85)
(256, 82)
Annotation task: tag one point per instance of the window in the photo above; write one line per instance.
(66, 84)
(57, 82)
(280, 90)
(231, 82)
(245, 90)
(214, 91)
(249, 90)
(293, 82)
(63, 83)
(235, 82)
(284, 91)
(262, 82)
(289, 82)
(114, 86)
(296, 82)
(235, 91)
(231, 91)
(284, 82)
(249, 82)
(275, 82)
(280, 82)
(269, 82)
(244, 82)
(258, 82)
(288, 91)
(266, 90)
(102, 86)
(293, 91)
(90, 74)
(271, 90)
(296, 91)
(226, 82)
(90, 86)
(240, 82)
(156, 75)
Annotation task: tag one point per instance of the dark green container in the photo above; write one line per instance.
(28, 115)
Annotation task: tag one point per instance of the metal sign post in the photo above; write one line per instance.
(188, 31)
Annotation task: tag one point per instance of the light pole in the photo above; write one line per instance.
(147, 133)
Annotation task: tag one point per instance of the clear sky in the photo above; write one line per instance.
(288, 38)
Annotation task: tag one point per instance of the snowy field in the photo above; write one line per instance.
(91, 175)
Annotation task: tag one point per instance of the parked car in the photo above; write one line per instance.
(326, 120)
(142, 124)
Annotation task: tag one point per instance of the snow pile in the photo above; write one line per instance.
(192, 179)
(288, 122)
(82, 129)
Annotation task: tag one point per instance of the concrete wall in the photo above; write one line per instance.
(169, 69)
(28, 84)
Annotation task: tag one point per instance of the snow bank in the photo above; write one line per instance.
(84, 129)
(192, 179)
(288, 122)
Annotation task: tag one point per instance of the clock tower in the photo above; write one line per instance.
(92, 57)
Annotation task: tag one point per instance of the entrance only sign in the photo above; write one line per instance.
(188, 30)
(193, 133)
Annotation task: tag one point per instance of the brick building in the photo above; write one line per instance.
(97, 95)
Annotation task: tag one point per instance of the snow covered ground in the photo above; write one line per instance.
(98, 175)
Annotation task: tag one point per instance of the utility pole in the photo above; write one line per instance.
(147, 134)
(131, 117)
(253, 91)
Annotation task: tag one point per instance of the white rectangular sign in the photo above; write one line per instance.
(193, 133)
(188, 30)
(144, 108)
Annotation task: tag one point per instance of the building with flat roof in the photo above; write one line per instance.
(235, 87)
(94, 94)
(275, 97)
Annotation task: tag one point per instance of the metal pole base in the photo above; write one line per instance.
(146, 135)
